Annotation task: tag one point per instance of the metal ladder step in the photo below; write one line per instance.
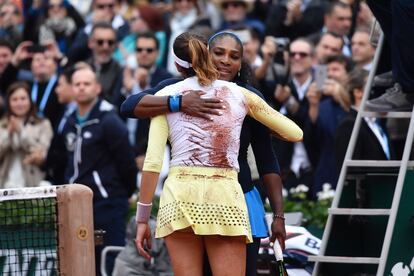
(359, 212)
(344, 260)
(393, 114)
(376, 163)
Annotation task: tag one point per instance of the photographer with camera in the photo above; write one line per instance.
(329, 102)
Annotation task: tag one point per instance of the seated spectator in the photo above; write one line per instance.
(327, 107)
(338, 20)
(57, 26)
(143, 18)
(24, 140)
(330, 44)
(102, 43)
(6, 55)
(11, 23)
(295, 18)
(185, 16)
(235, 13)
(102, 11)
(362, 50)
(373, 142)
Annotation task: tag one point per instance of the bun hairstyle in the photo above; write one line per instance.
(191, 54)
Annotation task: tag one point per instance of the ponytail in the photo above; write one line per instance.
(191, 54)
(201, 62)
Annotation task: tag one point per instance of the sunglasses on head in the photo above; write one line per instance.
(103, 6)
(234, 4)
(148, 50)
(101, 42)
(300, 54)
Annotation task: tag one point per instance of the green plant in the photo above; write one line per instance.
(315, 213)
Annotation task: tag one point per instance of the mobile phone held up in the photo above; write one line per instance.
(321, 74)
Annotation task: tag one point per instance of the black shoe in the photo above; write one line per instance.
(394, 99)
(384, 80)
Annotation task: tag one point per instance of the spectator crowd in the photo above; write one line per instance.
(66, 66)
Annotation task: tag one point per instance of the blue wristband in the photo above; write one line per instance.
(174, 103)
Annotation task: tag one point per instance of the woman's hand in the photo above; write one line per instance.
(278, 232)
(143, 235)
(192, 104)
(14, 124)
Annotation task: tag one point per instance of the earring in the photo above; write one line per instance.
(238, 74)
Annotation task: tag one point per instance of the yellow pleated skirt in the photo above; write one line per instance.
(209, 200)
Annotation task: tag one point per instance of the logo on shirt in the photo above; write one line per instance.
(70, 141)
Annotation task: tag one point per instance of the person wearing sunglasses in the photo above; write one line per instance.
(235, 13)
(102, 11)
(295, 159)
(147, 75)
(102, 44)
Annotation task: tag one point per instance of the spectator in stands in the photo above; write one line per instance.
(295, 18)
(11, 23)
(56, 158)
(235, 13)
(103, 43)
(144, 18)
(185, 16)
(327, 107)
(6, 55)
(102, 11)
(373, 143)
(100, 157)
(330, 44)
(338, 20)
(57, 26)
(294, 159)
(362, 50)
(147, 75)
(24, 140)
(42, 76)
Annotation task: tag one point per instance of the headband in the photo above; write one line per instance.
(181, 62)
(213, 37)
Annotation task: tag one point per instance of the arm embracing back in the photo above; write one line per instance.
(259, 110)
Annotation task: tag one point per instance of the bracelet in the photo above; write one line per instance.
(143, 212)
(277, 216)
(174, 103)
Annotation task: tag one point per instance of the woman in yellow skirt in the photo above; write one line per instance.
(202, 207)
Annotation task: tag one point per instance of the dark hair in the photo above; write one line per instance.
(331, 7)
(7, 44)
(13, 88)
(307, 41)
(342, 60)
(192, 48)
(102, 25)
(357, 80)
(245, 75)
(149, 35)
(335, 35)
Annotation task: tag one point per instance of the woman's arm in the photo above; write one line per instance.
(145, 104)
(259, 110)
(269, 171)
(157, 139)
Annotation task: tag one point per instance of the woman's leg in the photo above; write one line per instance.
(227, 255)
(186, 251)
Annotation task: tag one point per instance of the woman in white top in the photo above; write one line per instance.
(24, 140)
(202, 207)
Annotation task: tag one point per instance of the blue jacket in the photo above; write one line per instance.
(99, 153)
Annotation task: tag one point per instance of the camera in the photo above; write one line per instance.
(281, 42)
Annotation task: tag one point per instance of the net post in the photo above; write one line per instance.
(76, 234)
